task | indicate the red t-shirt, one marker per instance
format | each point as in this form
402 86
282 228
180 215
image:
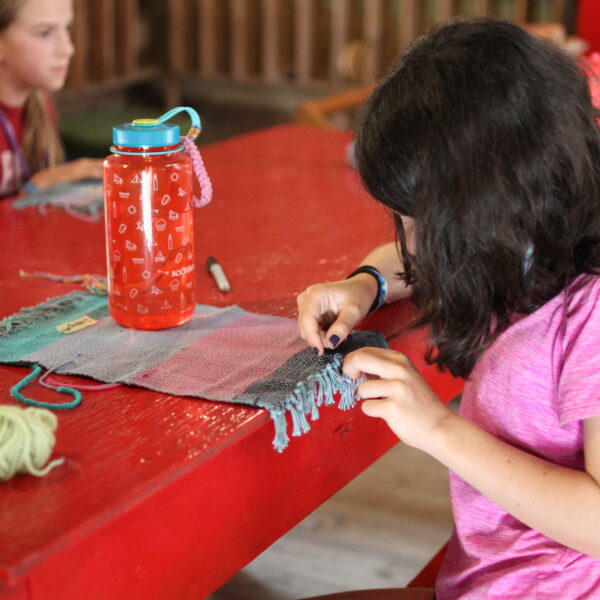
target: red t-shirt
11 171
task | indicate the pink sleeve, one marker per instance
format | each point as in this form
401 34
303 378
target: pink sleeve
578 395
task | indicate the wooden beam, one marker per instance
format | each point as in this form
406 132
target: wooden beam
127 38
207 40
480 8
444 9
558 11
79 69
270 34
340 21
103 15
239 39
303 47
176 21
407 23
372 33
520 11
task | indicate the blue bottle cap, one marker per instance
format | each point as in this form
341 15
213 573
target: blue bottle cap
146 133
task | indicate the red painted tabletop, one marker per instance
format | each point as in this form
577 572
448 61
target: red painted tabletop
167 497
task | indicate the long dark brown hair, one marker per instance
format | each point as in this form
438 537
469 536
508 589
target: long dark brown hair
41 142
489 139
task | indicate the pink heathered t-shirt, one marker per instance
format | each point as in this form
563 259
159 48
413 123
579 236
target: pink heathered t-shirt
532 388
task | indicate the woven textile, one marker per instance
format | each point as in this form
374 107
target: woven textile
82 199
224 354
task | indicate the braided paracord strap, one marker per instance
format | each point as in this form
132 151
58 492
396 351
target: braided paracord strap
199 168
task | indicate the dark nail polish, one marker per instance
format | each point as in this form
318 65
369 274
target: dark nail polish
334 340
315 351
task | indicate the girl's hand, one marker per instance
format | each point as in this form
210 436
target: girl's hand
75 170
398 393
328 312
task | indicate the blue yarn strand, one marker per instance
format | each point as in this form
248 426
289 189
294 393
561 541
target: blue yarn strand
15 392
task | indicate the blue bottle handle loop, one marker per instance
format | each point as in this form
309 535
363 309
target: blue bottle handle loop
196 126
150 131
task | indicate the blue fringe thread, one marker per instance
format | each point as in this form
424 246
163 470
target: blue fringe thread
34 314
306 398
15 392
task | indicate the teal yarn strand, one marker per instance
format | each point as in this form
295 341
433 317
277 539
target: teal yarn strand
15 392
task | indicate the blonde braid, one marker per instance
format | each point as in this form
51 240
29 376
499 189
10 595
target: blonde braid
41 142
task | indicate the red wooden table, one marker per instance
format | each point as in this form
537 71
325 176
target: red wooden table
166 497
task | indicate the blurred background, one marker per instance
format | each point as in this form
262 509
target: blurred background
246 64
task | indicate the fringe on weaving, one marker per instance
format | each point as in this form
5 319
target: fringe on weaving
33 314
306 398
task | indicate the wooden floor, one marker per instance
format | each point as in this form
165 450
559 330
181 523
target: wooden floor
376 532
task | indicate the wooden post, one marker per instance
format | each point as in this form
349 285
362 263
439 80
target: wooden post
558 11
207 40
239 39
127 25
407 23
176 18
444 9
79 69
480 8
103 57
520 11
340 19
303 48
270 40
373 29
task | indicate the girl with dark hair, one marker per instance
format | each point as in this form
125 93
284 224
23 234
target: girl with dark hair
483 142
35 50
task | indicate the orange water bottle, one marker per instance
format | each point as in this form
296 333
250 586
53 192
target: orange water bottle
149 202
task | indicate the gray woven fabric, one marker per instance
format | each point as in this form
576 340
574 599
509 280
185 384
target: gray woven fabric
224 354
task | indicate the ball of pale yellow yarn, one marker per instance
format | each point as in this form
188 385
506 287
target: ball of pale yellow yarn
26 441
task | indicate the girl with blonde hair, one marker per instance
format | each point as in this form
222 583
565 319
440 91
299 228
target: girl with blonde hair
35 50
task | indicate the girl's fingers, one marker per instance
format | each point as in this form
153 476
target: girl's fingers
311 332
380 388
375 408
378 395
343 325
385 364
327 313
309 315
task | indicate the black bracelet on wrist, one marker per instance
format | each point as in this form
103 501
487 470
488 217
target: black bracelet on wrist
381 295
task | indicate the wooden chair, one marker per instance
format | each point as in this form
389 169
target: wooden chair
322 112
418 589
319 112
